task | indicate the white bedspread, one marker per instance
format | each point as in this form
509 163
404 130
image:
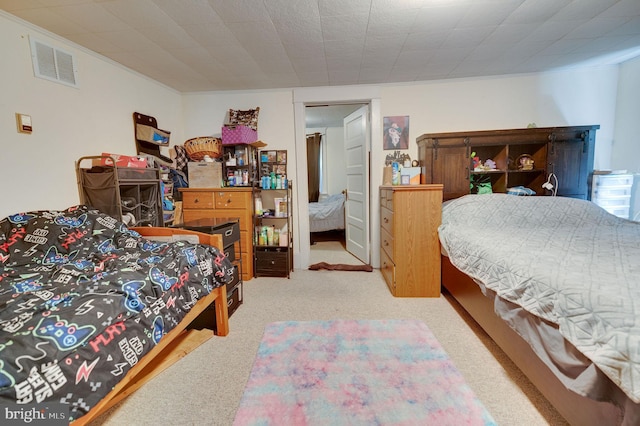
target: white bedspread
328 214
565 260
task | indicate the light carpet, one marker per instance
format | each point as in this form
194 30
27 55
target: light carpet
356 372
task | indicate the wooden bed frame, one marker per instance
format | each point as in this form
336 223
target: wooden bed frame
175 344
576 409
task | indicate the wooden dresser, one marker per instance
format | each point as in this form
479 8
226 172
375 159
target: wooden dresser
199 203
409 245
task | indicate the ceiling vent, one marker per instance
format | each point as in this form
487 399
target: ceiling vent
53 64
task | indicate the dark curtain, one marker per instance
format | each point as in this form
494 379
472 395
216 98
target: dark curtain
313 166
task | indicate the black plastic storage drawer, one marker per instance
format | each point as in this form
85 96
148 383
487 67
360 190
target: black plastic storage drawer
234 300
230 252
230 234
207 319
229 230
234 282
272 262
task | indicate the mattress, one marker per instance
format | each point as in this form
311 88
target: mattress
564 261
83 299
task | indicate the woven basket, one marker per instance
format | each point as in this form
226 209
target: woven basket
197 148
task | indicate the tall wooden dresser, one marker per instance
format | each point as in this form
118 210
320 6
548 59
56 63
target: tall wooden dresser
409 245
232 202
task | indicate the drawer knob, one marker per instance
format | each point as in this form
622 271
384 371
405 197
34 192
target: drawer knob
196 201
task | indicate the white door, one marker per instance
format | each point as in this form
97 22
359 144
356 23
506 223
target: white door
356 138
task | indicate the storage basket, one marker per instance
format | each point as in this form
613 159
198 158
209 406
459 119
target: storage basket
238 134
197 148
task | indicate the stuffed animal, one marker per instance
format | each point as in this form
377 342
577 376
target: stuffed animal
489 164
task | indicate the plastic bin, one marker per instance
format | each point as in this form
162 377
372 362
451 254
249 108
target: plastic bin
613 180
613 201
612 191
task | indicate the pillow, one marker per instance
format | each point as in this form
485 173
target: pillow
247 118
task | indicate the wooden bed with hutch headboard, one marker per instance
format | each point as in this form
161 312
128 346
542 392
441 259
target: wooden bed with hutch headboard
564 153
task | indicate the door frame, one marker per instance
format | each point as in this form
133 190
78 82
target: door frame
309 96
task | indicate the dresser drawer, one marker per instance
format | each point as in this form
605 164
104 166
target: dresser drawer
386 219
386 198
386 243
232 200
197 200
189 215
246 239
247 266
388 270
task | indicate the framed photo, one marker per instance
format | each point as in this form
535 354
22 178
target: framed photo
282 157
271 156
396 132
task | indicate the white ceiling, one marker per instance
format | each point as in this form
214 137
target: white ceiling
200 45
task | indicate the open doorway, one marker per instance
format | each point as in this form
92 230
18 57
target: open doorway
327 171
329 96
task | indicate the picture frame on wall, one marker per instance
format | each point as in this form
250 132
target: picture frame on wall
396 132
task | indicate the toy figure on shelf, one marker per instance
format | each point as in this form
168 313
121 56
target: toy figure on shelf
396 157
477 163
489 164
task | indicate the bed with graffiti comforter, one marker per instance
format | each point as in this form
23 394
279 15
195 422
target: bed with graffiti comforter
83 298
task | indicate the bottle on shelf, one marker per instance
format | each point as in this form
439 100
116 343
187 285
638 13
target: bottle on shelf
258 206
283 240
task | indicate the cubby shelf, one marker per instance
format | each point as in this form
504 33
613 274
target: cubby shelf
567 152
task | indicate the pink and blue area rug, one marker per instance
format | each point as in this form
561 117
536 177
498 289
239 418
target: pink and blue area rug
356 372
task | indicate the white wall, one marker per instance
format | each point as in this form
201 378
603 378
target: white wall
336 161
205 113
38 170
626 143
579 97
